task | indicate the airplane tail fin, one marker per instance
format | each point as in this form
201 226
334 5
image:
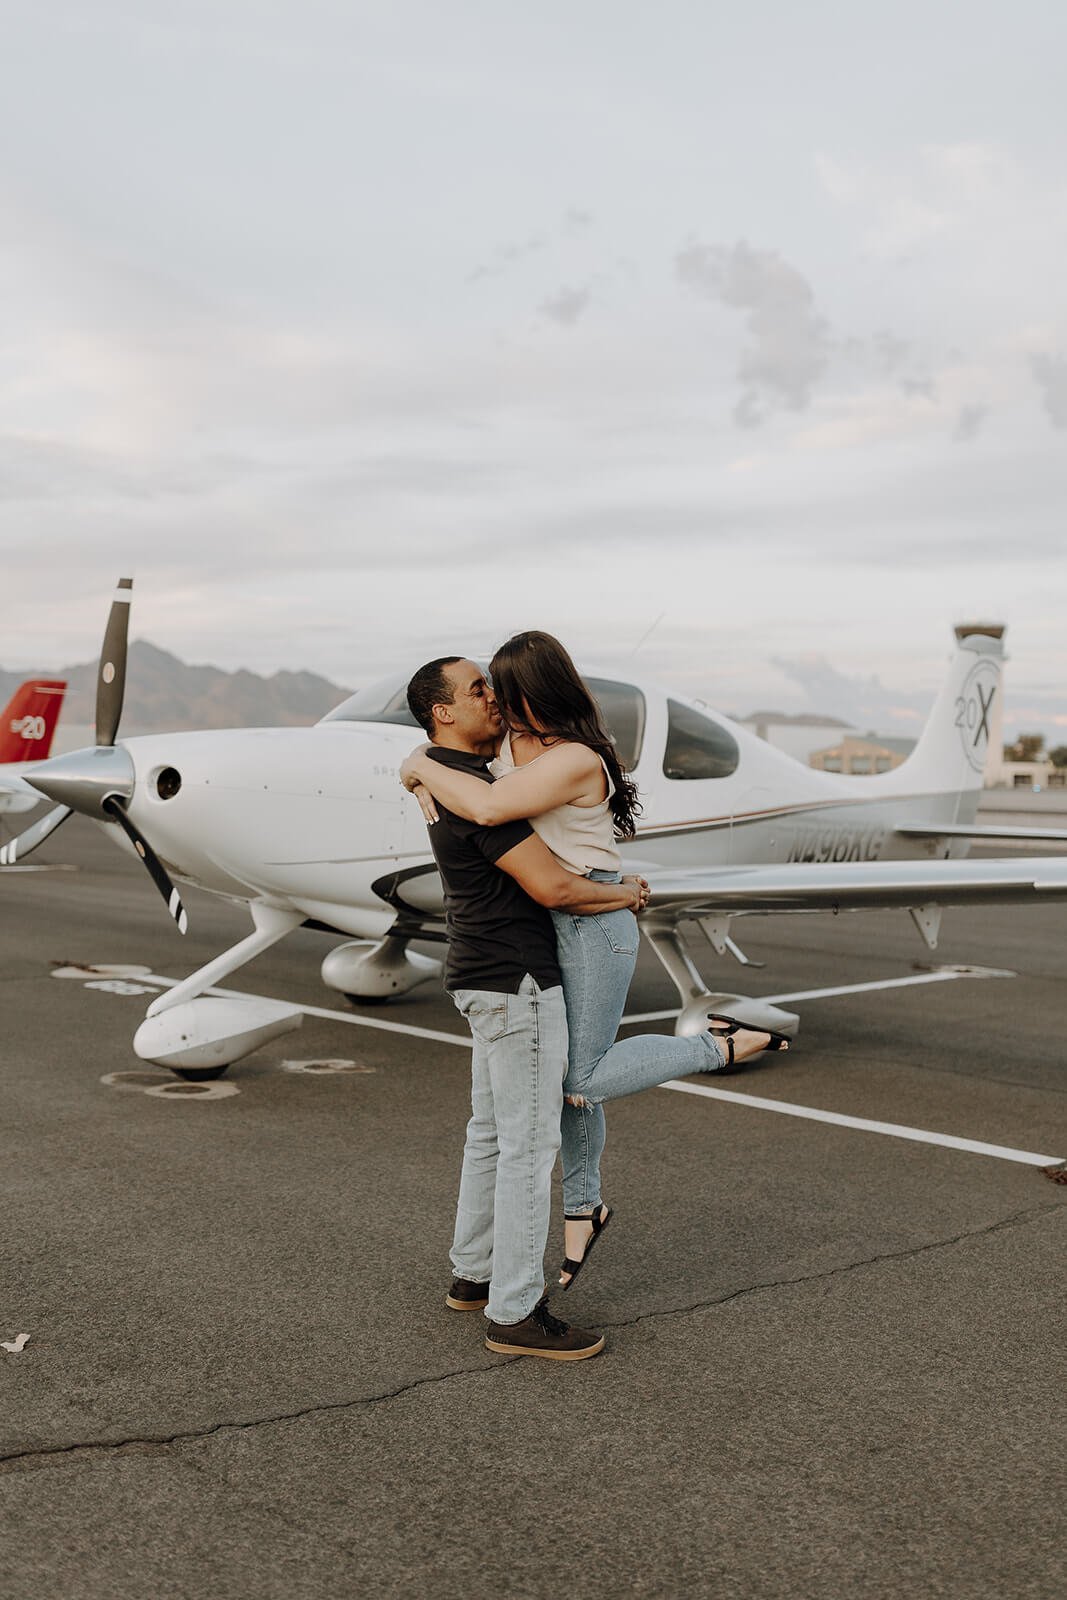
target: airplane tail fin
965 723
29 719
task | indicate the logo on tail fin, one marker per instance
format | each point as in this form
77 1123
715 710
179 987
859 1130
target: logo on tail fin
28 721
974 705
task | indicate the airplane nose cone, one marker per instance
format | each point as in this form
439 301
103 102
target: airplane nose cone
84 779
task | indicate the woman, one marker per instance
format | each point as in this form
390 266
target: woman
558 766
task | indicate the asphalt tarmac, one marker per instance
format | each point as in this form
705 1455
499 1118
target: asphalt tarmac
835 1359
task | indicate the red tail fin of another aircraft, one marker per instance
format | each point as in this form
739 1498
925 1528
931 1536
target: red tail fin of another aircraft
29 719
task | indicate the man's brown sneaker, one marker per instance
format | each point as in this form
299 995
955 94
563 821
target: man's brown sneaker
467 1296
542 1334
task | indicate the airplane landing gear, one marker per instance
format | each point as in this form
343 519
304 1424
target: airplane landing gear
368 972
696 1001
199 1035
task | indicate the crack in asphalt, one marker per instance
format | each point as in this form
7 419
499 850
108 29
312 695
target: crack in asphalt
153 1444
49 1455
1017 1219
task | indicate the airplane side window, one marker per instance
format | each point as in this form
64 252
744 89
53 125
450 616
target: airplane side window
623 709
696 746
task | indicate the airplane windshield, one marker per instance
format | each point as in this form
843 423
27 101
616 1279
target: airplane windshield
622 706
383 701
697 747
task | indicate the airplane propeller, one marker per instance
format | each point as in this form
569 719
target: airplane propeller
99 781
111 672
114 808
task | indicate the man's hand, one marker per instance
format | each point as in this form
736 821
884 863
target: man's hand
535 869
643 892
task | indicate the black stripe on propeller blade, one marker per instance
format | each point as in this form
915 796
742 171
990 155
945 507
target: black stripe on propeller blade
111 674
19 848
114 808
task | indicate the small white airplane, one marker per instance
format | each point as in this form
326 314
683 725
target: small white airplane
310 826
27 727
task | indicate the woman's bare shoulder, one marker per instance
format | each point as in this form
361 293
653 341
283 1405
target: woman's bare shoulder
572 755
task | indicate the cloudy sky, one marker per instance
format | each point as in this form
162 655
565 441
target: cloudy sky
726 341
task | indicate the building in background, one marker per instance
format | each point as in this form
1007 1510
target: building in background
1002 773
865 753
804 736
798 736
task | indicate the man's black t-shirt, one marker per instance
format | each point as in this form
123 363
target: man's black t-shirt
496 933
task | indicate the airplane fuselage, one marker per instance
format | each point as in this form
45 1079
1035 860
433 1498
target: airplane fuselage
229 812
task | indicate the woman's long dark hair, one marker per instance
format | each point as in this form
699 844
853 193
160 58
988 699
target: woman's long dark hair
533 676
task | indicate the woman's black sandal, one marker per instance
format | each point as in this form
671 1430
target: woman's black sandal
778 1041
599 1224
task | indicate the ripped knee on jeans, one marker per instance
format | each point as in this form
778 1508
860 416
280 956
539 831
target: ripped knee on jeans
580 1102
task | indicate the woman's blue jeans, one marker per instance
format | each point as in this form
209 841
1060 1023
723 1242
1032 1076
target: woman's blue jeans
597 956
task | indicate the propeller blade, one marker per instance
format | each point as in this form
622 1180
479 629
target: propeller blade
114 808
18 849
111 675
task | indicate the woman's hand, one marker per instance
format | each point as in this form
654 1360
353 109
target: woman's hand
642 892
427 803
409 769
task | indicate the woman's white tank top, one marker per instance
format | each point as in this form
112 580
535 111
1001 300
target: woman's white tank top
582 838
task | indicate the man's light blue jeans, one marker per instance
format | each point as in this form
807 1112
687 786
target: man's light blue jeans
597 956
513 1136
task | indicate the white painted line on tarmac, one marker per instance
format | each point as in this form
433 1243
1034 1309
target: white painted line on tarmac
356 1021
649 1016
120 986
943 975
864 1125
43 866
920 1135
104 969
389 1027
329 1065
337 1016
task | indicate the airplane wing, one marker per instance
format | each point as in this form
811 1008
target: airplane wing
994 834
852 886
16 794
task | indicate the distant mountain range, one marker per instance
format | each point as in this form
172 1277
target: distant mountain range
164 694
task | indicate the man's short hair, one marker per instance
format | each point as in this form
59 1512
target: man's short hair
428 688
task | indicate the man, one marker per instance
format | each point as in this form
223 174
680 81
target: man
503 976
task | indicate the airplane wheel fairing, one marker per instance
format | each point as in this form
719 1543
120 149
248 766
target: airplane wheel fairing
206 1034
754 1013
198 1074
366 972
